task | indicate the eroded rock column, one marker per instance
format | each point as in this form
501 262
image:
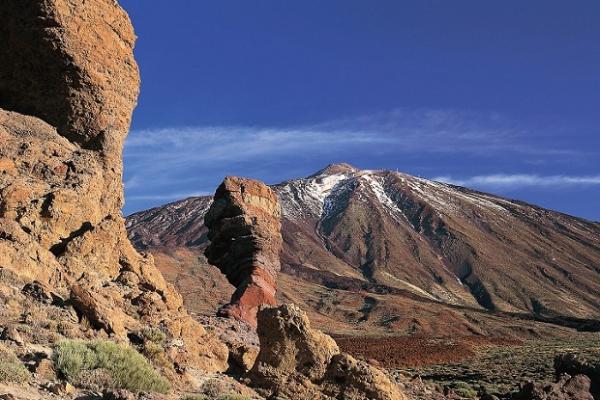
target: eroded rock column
245 232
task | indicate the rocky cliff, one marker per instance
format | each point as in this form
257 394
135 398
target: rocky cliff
68 86
245 233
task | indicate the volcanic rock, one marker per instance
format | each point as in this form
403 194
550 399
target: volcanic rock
245 232
68 86
11 334
298 362
572 365
71 64
567 388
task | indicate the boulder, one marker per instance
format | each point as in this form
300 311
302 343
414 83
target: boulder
573 365
245 232
71 64
567 388
11 334
298 362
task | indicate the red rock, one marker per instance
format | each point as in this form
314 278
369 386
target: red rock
245 232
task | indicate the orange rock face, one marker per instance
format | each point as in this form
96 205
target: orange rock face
245 232
298 362
68 86
71 64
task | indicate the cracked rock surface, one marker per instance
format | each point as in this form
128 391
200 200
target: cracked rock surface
244 223
68 86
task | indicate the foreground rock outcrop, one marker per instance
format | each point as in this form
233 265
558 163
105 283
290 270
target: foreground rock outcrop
298 362
571 364
567 388
68 86
245 232
576 379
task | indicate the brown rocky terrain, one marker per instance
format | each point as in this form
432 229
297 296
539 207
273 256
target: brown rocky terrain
245 242
68 86
380 252
83 315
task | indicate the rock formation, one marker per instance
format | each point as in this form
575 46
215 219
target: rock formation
298 362
245 232
576 379
567 388
68 85
571 364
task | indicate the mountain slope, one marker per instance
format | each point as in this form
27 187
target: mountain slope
388 243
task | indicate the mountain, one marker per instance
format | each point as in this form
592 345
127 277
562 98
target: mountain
386 252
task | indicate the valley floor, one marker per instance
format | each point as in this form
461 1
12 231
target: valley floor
472 365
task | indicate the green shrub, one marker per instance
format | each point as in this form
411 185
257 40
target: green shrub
127 368
11 368
154 335
222 397
463 389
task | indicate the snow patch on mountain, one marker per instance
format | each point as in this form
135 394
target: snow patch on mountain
443 197
376 184
306 197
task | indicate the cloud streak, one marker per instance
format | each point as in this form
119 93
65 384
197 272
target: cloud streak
521 180
168 197
398 132
174 162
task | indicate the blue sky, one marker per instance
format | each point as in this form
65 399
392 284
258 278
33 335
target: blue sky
500 96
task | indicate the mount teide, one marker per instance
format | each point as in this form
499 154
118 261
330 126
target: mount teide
385 252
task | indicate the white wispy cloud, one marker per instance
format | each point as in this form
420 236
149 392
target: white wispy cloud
167 197
174 162
521 180
401 131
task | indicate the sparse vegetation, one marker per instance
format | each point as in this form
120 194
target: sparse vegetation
463 389
222 397
500 369
154 335
127 369
11 368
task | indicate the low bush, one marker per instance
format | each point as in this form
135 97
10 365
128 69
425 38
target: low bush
463 389
154 335
11 368
127 368
222 397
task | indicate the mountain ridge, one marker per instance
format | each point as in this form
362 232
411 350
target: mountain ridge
377 231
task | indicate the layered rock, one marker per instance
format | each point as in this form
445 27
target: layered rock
245 232
68 86
298 362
